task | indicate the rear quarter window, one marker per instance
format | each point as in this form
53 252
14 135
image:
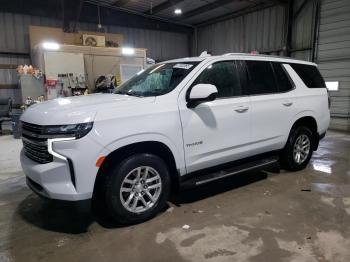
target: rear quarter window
284 83
310 75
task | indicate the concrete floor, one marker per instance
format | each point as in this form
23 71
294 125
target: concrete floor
303 216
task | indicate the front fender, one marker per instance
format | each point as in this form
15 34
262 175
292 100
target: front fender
149 137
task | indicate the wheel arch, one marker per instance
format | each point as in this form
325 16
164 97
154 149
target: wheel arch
152 147
310 122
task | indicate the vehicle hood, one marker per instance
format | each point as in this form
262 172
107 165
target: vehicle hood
78 109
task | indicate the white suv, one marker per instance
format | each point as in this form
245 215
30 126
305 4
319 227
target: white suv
181 122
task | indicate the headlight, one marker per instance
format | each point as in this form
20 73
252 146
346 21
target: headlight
76 130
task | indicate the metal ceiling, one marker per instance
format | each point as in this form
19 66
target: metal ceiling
146 14
194 12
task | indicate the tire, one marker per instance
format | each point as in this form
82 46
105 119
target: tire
297 138
130 175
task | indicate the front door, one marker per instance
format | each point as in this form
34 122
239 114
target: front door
219 131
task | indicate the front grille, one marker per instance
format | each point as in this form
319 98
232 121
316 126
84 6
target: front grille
35 143
33 128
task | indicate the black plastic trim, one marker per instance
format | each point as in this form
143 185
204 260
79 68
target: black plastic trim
71 171
322 135
36 188
318 139
206 171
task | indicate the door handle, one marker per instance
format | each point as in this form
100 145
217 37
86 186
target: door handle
288 104
241 109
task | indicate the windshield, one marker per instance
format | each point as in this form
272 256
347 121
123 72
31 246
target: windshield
157 80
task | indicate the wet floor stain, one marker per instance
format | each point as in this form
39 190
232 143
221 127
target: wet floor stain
346 202
331 189
333 245
218 253
328 200
190 241
225 243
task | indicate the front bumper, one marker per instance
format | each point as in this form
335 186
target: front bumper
52 180
72 173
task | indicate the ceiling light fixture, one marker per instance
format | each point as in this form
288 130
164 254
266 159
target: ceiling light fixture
178 11
128 51
99 25
51 45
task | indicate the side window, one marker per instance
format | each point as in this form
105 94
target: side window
224 76
261 79
283 81
310 75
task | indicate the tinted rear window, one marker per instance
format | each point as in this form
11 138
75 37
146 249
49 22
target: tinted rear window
261 78
310 75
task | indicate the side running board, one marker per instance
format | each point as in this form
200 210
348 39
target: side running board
206 178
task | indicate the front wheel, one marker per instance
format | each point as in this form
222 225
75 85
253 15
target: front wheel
138 188
298 150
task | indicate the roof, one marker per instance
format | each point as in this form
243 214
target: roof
242 56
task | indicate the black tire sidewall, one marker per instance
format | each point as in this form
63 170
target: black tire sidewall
115 179
289 161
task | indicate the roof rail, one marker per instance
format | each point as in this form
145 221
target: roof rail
263 55
246 54
204 54
228 54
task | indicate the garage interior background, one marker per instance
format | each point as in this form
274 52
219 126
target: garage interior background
311 30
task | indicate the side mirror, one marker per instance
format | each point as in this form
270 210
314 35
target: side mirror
201 93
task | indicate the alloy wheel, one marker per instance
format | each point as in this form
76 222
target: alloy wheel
301 149
140 189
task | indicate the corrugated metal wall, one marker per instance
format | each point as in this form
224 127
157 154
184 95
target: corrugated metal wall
9 76
334 57
161 45
262 30
265 31
14 37
302 30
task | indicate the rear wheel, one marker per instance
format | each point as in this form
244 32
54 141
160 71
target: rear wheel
298 150
138 188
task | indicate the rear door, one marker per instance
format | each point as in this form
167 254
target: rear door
272 104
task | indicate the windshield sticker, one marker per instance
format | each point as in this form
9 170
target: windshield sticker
183 66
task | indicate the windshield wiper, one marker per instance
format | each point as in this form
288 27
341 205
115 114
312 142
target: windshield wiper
121 92
129 93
